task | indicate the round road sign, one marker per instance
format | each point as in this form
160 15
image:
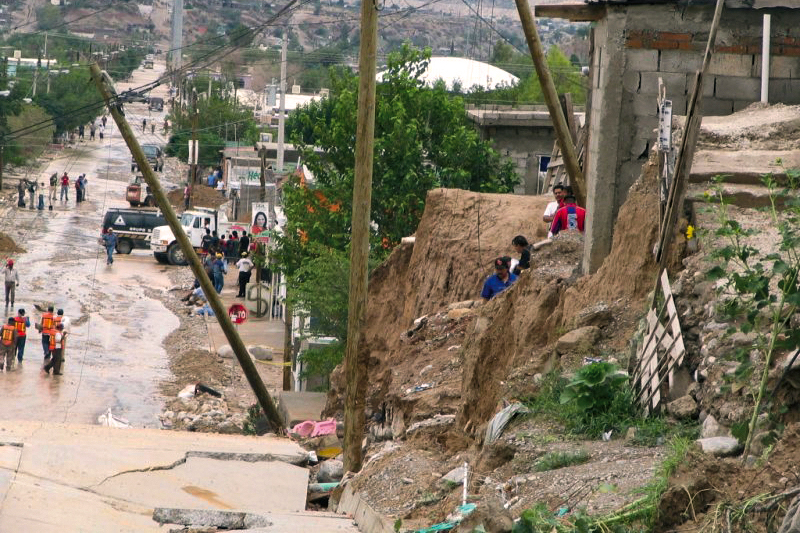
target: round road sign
237 313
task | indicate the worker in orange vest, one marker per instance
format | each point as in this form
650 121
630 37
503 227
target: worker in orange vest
46 326
22 324
58 341
8 344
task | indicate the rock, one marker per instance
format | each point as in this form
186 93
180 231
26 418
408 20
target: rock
225 351
743 339
711 428
490 516
330 471
581 340
229 427
262 353
683 407
757 446
630 435
720 446
681 380
456 476
788 361
597 315
693 389
466 304
455 314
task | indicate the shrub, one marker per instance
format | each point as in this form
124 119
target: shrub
556 460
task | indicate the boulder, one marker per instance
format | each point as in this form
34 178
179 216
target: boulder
597 315
719 446
455 314
578 340
683 407
466 304
456 475
330 471
711 428
225 351
681 382
262 353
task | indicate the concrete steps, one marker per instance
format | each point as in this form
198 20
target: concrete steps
742 166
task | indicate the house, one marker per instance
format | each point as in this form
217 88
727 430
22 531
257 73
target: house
636 42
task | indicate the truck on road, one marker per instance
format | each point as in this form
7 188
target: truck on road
132 226
194 223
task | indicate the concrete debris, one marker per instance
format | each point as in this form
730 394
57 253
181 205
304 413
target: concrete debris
711 428
597 315
225 351
109 419
456 475
330 471
202 413
262 353
203 518
437 420
720 446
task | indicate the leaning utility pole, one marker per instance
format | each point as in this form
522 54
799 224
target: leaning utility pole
355 360
282 111
194 150
563 134
214 300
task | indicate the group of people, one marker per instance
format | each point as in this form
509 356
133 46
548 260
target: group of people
53 326
229 245
563 214
94 129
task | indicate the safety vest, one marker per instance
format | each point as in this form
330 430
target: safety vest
20 323
47 323
57 320
62 344
8 335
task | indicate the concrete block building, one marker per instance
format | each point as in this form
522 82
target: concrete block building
636 42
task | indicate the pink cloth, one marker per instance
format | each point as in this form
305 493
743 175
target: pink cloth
309 428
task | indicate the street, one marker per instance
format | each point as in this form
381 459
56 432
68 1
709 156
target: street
114 357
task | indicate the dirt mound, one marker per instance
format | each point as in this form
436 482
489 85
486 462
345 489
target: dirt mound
758 126
202 196
8 246
629 270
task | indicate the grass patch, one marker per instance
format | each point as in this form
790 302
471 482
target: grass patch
556 460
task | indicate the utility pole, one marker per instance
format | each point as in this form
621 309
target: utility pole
282 111
177 35
563 134
194 150
249 368
355 359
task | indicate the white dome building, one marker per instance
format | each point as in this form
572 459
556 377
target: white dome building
466 72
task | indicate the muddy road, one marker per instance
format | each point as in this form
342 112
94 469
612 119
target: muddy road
114 356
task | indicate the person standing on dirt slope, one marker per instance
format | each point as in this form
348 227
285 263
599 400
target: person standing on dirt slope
8 344
550 211
12 282
57 345
64 187
22 324
110 242
522 247
500 280
569 217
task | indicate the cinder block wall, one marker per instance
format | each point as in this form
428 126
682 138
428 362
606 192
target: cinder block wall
637 44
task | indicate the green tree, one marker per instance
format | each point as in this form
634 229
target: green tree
422 141
72 100
48 17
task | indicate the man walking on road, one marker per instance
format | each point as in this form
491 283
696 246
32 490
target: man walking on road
57 345
8 344
65 187
22 323
46 327
110 242
12 281
53 188
245 265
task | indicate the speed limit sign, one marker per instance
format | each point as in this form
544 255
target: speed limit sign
237 313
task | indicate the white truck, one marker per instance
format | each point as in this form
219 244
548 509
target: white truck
194 222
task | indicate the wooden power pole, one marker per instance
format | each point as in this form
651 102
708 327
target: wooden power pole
214 300
355 362
563 134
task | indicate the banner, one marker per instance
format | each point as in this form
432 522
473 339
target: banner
259 215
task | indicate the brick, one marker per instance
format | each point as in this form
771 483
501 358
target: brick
737 88
791 51
670 36
634 43
731 65
734 49
642 60
675 82
660 44
690 46
679 61
716 107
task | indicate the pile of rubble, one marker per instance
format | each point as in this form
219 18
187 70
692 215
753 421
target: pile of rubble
203 413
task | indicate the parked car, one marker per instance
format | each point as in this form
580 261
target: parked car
133 227
155 104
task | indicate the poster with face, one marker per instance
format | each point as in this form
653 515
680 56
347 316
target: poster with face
259 216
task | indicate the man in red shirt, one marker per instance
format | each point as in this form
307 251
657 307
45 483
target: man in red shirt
569 217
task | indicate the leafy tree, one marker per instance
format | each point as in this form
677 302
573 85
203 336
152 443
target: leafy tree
503 52
30 144
422 141
72 100
48 17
